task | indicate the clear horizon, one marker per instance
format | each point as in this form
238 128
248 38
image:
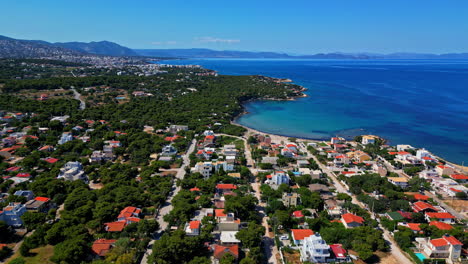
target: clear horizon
272 26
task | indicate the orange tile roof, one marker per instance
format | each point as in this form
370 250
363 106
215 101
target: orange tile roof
115 226
421 197
42 199
194 224
349 218
226 186
300 234
452 240
439 242
220 251
220 213
440 225
102 246
421 206
414 226
459 177
440 215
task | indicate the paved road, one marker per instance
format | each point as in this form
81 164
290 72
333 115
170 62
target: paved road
167 207
77 96
394 249
269 247
447 207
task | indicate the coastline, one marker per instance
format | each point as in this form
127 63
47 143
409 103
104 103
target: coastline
279 137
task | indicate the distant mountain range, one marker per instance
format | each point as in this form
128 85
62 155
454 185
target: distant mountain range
208 53
17 48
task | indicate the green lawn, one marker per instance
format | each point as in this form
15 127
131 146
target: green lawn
42 256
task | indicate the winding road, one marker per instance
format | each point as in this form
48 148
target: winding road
167 207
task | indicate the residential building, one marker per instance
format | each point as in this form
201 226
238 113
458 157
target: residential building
102 246
368 139
38 204
444 170
460 178
340 160
337 140
193 228
315 249
11 214
298 235
270 160
279 177
443 217
169 150
229 238
290 199
66 136
176 128
441 225
72 171
101 156
398 181
422 207
25 193
220 251
339 253
351 220
447 247
223 188
230 150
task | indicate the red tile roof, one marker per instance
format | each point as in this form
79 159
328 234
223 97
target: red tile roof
220 213
452 240
440 225
338 250
421 206
297 214
226 186
115 226
459 177
195 189
13 169
439 242
350 218
42 199
23 175
454 190
300 234
194 224
440 215
102 246
51 160
220 251
421 197
414 226
403 153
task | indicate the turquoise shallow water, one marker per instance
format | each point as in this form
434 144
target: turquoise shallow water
419 102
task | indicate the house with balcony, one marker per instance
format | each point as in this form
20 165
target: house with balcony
298 235
314 249
66 136
278 178
193 228
351 220
290 199
72 171
11 214
446 247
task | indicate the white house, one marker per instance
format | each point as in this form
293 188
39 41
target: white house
169 150
12 213
314 249
398 181
278 178
72 171
66 136
447 247
193 228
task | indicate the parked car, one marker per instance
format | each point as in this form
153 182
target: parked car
284 237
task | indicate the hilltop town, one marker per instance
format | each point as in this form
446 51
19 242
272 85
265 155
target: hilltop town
141 163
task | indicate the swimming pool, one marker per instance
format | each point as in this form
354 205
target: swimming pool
120 98
420 256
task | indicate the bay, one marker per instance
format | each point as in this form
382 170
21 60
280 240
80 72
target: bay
423 103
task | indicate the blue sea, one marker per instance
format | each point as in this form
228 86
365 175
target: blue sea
423 103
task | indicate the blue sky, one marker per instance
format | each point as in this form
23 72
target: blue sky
297 26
